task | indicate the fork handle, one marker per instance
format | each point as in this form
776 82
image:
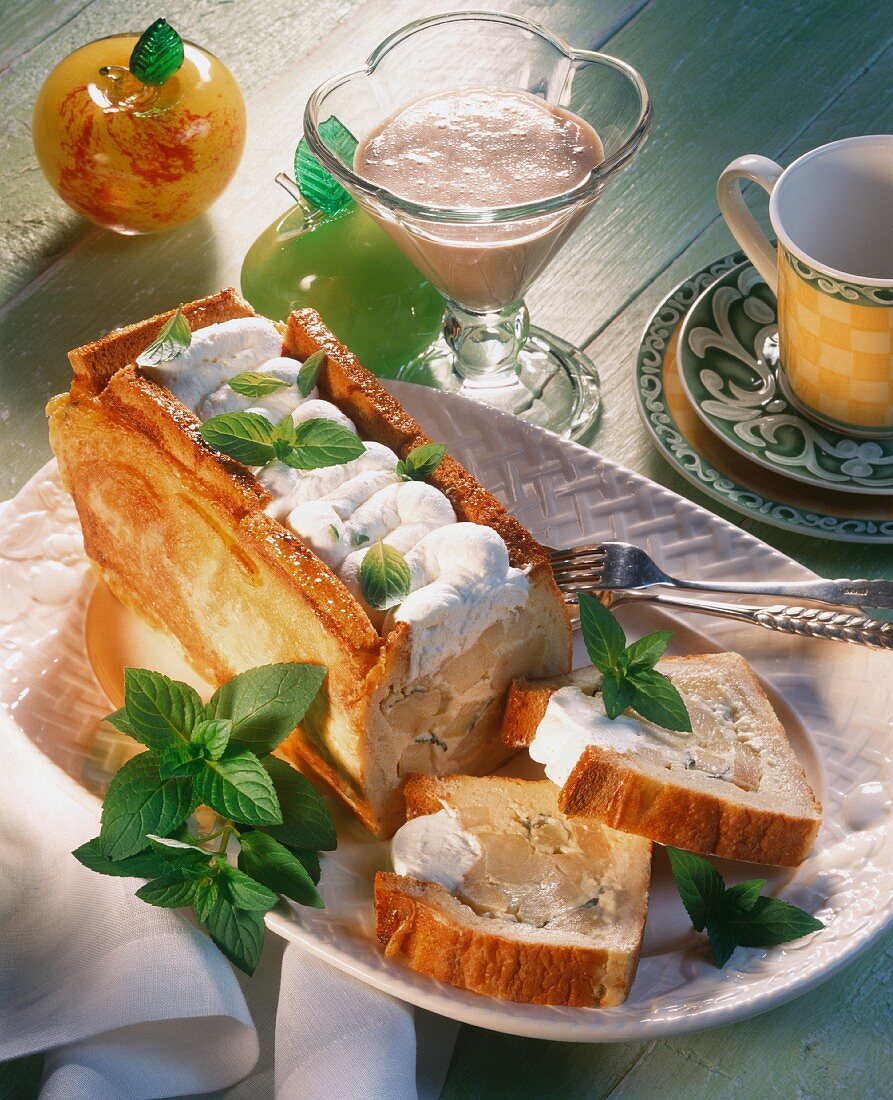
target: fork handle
810 622
841 593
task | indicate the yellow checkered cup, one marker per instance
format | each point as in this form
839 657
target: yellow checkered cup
832 212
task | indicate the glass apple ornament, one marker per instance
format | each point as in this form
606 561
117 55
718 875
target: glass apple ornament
139 133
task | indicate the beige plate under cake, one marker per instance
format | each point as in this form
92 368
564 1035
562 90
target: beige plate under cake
52 614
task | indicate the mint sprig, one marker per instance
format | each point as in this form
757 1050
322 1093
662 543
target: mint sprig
251 383
173 338
384 576
629 679
737 916
215 755
310 445
309 372
421 462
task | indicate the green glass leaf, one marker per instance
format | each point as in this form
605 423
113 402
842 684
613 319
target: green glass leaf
657 700
617 692
246 437
306 822
158 53
384 576
602 635
239 933
161 712
171 891
319 442
243 892
144 864
173 338
646 652
771 922
317 185
700 886
309 372
139 802
421 462
251 383
265 859
212 735
238 787
265 704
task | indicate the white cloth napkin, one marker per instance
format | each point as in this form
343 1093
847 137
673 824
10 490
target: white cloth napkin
132 1002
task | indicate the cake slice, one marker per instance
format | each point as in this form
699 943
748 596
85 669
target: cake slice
732 787
500 893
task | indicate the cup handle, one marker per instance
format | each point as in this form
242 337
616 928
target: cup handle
742 223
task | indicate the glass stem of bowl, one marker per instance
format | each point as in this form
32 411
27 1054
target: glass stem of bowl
486 345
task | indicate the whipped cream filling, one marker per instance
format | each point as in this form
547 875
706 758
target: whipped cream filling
461 579
435 848
722 745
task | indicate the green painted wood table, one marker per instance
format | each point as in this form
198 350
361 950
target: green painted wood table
770 76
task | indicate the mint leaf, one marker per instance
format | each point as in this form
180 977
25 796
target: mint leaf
309 859
722 940
173 338
384 576
700 886
306 822
212 735
265 704
602 635
206 894
617 692
319 442
241 890
180 854
170 891
309 371
239 933
139 802
179 763
160 712
145 864
246 437
742 897
271 863
238 787
658 701
120 721
421 462
251 383
646 652
771 922
360 540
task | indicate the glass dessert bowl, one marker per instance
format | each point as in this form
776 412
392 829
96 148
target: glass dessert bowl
515 203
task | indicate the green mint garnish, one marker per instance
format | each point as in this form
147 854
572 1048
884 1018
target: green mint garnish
333 531
384 576
309 371
251 383
738 916
317 185
158 53
360 540
629 679
252 439
421 462
216 755
173 338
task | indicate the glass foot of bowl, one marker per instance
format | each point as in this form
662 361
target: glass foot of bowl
553 384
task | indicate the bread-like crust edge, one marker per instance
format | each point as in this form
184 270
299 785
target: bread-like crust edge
412 921
605 787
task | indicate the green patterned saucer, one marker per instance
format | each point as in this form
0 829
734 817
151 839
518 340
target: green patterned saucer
725 475
728 363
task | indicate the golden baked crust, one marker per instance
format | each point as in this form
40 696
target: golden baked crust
613 788
179 533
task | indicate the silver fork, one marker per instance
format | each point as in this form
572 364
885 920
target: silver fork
622 566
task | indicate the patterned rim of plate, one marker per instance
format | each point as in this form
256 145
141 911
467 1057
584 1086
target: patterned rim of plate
736 389
717 470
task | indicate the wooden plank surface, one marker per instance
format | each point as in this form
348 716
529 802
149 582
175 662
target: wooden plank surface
770 76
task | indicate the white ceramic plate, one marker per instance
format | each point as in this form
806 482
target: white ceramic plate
836 701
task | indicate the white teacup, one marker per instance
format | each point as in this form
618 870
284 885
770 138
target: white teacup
832 212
